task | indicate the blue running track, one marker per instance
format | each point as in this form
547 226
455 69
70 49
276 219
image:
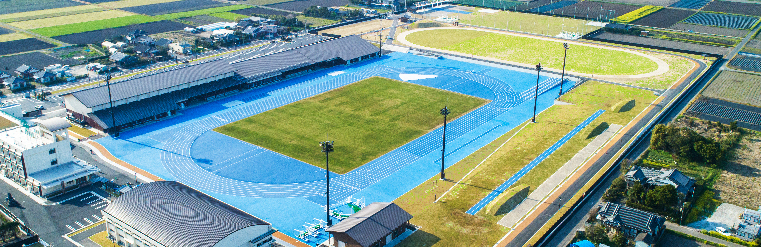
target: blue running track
491 196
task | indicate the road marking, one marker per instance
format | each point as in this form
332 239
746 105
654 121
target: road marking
91 196
80 224
96 217
100 202
90 202
102 206
72 228
88 221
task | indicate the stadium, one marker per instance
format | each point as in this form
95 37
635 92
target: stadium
194 102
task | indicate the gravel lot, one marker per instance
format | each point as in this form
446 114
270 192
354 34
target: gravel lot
711 30
302 5
99 35
664 18
726 215
23 45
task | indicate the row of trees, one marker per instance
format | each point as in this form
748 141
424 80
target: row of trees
661 199
688 144
326 13
598 233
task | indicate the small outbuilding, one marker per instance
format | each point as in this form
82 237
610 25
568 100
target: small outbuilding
375 225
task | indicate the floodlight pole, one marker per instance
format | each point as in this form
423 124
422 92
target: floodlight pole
111 106
444 111
327 147
562 76
536 90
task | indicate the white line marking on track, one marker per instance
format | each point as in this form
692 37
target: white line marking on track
72 228
80 224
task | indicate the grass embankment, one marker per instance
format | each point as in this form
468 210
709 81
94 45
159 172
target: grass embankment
47 13
101 239
446 223
5 123
82 131
525 22
365 119
526 50
126 21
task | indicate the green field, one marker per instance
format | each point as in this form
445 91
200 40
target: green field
132 3
678 67
525 22
446 222
70 19
229 16
46 13
315 22
126 21
582 59
365 119
743 88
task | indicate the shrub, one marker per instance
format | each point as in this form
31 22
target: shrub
732 239
616 190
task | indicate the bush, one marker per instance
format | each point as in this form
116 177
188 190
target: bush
732 239
597 233
662 197
616 190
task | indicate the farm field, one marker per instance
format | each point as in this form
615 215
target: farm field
262 2
101 1
664 18
99 35
690 4
174 7
5 31
637 14
711 30
582 59
201 12
22 45
201 20
739 183
722 20
45 13
736 87
228 16
260 11
13 36
315 22
734 8
358 28
645 41
34 59
493 4
132 3
550 8
594 10
446 222
70 19
300 6
16 6
753 46
645 2
5 123
529 23
367 119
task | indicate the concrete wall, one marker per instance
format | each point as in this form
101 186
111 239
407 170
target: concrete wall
39 158
126 234
242 237
73 104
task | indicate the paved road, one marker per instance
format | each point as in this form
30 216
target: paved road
696 233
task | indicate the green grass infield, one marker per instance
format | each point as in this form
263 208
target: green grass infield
366 119
581 59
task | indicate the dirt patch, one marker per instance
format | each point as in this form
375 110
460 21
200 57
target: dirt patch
358 28
740 182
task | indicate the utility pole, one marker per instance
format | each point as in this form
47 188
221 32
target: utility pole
536 90
327 148
111 107
445 112
562 76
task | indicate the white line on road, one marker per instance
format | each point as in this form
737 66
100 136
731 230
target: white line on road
72 228
80 224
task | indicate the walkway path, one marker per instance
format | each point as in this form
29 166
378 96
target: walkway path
554 182
518 175
696 233
663 67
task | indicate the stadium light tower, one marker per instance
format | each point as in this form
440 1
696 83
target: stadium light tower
562 76
444 111
327 147
536 90
111 107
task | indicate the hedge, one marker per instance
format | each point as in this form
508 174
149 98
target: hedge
732 239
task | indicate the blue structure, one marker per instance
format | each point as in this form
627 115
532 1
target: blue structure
584 243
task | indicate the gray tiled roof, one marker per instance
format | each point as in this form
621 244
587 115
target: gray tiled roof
622 216
346 48
681 182
372 223
174 214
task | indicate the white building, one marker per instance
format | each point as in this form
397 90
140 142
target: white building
181 48
39 158
171 214
217 26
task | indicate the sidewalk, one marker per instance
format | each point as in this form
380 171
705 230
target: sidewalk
554 182
103 153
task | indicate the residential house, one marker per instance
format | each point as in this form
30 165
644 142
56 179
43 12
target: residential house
14 83
43 76
60 71
163 42
4 75
121 58
183 217
181 48
143 50
650 177
376 224
217 26
26 71
132 37
145 40
632 221
39 158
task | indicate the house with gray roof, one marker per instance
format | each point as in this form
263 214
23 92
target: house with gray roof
171 214
43 76
375 225
121 58
632 222
650 177
26 71
14 83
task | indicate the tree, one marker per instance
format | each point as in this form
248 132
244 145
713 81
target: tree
710 151
9 229
597 233
620 240
616 190
636 192
733 125
662 197
658 139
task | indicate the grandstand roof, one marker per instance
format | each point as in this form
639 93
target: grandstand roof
253 64
174 214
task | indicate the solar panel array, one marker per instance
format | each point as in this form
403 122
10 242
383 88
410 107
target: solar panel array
726 112
749 63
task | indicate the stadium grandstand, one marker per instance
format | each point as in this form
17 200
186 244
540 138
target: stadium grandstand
158 95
